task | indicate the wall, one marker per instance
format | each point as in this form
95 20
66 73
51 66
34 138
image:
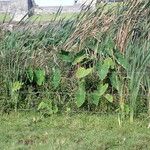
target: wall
54 9
5 6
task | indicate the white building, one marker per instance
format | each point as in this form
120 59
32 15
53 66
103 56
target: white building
86 2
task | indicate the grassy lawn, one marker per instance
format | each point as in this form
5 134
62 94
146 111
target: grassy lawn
71 132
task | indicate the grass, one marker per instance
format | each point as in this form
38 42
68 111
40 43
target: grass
4 17
41 17
50 17
70 132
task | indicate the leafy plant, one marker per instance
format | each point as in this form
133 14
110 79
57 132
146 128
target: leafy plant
56 77
30 74
39 76
121 60
14 89
79 59
82 72
46 107
80 94
109 97
98 94
36 75
104 66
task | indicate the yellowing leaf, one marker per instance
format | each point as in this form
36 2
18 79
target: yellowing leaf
79 59
82 72
16 86
109 97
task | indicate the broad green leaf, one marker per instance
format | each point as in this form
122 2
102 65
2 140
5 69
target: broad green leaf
79 59
108 46
42 105
102 89
121 60
95 98
109 97
80 95
115 82
103 73
56 77
109 62
127 109
30 74
39 76
82 72
55 109
96 95
103 68
65 56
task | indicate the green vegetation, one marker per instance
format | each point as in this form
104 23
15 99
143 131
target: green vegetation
66 132
49 17
41 18
95 61
4 17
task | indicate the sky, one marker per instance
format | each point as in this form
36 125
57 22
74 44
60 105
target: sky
54 2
